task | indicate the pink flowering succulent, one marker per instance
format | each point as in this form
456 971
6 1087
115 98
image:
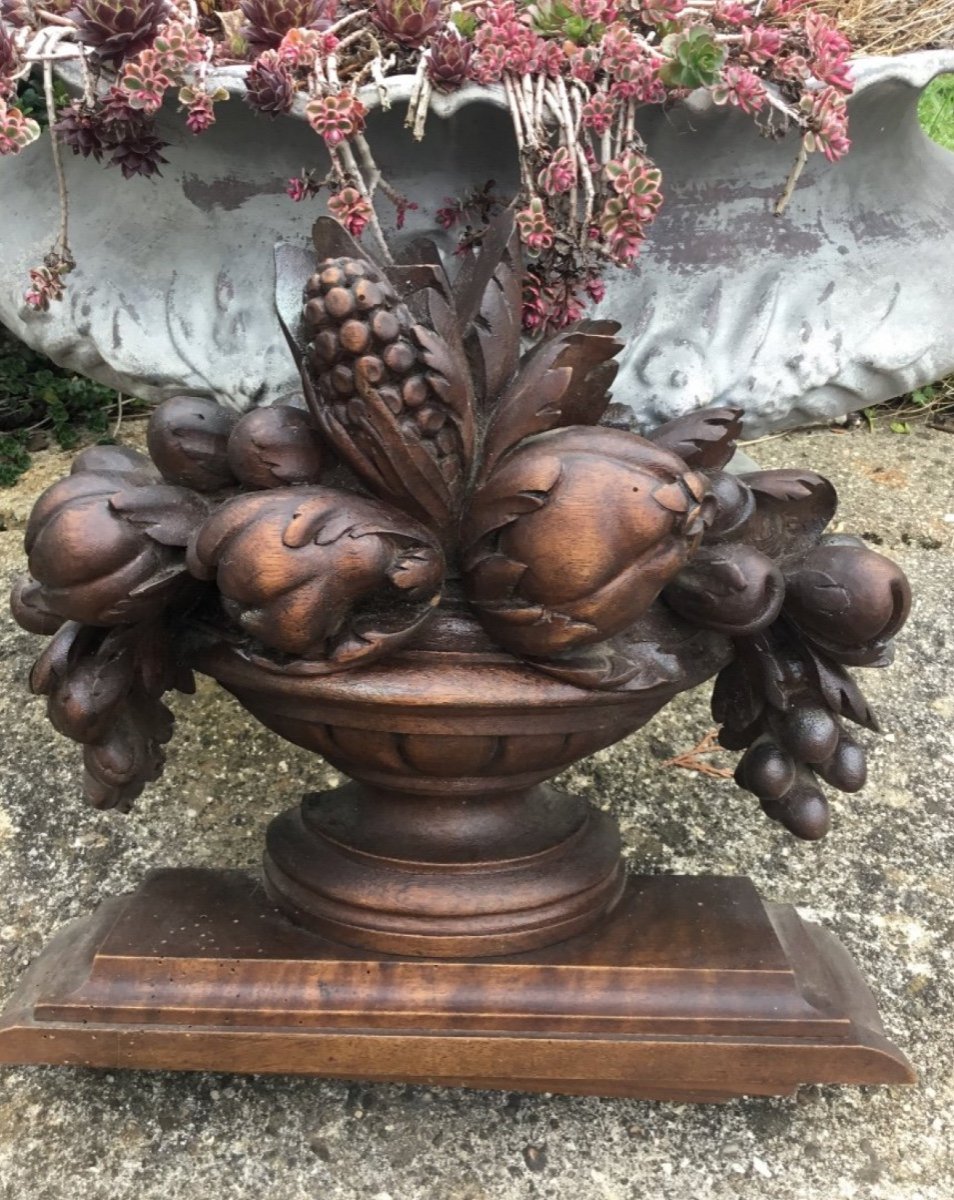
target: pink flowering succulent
830 51
827 123
352 209
559 175
145 82
336 117
740 87
46 284
575 74
536 232
16 130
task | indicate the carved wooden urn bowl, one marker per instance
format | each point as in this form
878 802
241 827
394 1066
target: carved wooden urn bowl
449 842
451 568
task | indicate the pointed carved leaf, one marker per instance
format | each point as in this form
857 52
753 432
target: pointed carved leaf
792 508
332 240
489 305
167 514
736 702
842 694
659 655
564 381
84 703
705 439
391 459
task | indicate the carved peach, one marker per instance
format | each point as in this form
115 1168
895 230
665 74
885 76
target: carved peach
575 534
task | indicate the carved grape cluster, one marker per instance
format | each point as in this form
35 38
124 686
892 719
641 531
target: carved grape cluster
316 535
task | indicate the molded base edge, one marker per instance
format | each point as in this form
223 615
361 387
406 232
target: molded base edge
692 989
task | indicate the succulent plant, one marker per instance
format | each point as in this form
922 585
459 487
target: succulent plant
117 29
448 64
407 22
9 61
139 152
82 130
270 85
269 20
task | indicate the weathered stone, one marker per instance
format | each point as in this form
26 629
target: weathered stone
837 304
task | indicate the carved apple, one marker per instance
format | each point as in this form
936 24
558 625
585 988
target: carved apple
575 534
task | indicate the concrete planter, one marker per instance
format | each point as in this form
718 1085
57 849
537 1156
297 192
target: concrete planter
841 302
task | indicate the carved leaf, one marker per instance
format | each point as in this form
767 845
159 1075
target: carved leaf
53 663
660 653
389 458
842 694
737 701
167 514
792 508
564 381
705 439
83 704
489 306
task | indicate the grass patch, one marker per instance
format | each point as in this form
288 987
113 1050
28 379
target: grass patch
40 403
937 111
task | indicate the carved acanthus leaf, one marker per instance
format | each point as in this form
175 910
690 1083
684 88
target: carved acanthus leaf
704 439
563 381
660 651
489 304
792 510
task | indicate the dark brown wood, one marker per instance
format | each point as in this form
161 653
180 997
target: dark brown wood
692 990
440 572
447 844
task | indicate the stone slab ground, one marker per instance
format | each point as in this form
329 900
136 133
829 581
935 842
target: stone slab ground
882 881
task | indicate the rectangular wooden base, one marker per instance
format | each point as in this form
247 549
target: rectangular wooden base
693 989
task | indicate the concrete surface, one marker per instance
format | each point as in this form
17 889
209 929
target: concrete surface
881 881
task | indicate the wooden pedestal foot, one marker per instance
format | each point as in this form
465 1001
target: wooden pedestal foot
691 989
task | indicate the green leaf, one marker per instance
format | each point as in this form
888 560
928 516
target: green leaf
466 24
900 427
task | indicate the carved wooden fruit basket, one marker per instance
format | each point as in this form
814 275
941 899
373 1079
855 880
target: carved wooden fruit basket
445 570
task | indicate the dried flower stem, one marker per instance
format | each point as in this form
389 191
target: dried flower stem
64 240
793 178
349 168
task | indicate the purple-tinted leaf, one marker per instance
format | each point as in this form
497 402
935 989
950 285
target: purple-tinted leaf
705 439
